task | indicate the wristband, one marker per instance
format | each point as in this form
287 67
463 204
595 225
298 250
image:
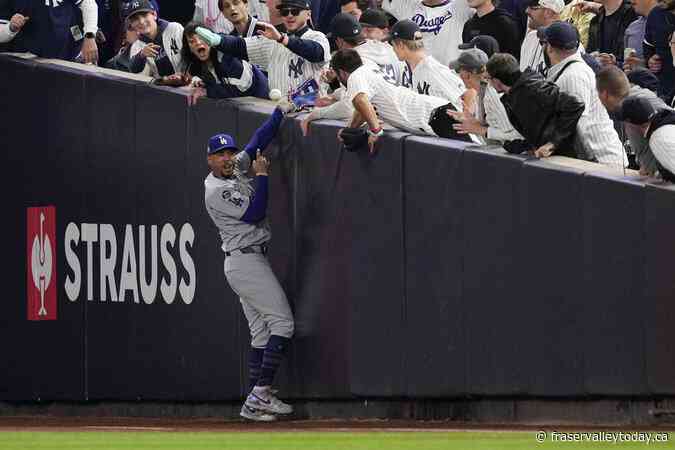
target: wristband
377 132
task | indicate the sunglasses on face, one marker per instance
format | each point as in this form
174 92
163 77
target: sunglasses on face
293 11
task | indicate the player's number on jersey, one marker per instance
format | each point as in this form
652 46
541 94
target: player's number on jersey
388 73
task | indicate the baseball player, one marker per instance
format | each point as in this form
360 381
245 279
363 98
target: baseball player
441 23
237 204
157 52
9 29
401 107
347 32
429 77
223 76
290 59
596 138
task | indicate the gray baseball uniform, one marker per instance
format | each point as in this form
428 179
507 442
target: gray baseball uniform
246 267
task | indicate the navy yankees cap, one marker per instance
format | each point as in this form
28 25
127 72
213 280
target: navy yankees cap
135 7
302 4
473 60
220 142
636 110
344 26
374 18
406 30
561 35
484 42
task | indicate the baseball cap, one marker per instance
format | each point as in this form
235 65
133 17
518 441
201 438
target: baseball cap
561 35
406 30
344 26
302 4
374 18
636 110
473 59
135 7
484 42
220 142
554 5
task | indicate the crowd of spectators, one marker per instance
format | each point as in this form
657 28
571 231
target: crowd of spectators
592 80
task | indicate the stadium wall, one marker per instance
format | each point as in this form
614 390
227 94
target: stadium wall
428 271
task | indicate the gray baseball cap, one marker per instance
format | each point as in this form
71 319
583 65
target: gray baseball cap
473 60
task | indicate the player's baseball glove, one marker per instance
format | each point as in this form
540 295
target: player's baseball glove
354 138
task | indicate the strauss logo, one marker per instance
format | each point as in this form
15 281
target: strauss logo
41 264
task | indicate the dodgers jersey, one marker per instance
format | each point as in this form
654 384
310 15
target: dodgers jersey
433 78
396 105
226 202
441 25
286 71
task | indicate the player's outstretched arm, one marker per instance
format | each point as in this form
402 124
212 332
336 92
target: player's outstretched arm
257 207
264 135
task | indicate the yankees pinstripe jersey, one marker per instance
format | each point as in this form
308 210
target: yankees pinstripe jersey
286 70
378 55
207 12
382 55
396 105
499 125
662 144
595 130
226 202
532 53
441 25
430 77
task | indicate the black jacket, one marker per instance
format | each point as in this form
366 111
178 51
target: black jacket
543 114
627 15
500 25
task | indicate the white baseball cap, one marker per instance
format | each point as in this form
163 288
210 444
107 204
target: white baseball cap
554 5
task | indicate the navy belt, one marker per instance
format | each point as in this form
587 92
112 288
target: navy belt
262 249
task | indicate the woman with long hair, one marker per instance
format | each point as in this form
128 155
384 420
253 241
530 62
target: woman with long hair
222 75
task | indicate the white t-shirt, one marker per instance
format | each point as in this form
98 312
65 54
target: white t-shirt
531 53
441 25
433 78
207 11
396 105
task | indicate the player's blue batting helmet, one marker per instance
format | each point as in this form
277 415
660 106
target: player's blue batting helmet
221 142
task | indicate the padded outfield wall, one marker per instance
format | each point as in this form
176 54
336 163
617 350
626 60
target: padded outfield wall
430 270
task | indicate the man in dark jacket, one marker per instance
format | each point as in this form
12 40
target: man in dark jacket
607 29
495 22
546 117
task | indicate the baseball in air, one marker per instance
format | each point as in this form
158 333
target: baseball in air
275 94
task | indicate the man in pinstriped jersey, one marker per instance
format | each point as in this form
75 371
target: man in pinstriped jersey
596 139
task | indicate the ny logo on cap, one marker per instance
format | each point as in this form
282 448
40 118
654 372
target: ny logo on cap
223 141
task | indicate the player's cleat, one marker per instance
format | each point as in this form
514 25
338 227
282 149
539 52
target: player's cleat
256 415
268 402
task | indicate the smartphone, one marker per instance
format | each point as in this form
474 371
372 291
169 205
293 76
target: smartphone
258 28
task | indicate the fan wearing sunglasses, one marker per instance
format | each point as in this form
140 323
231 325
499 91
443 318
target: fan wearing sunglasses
289 59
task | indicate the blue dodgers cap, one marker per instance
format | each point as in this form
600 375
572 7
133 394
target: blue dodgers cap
561 35
220 142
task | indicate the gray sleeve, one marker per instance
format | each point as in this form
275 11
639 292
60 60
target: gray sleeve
242 161
226 202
